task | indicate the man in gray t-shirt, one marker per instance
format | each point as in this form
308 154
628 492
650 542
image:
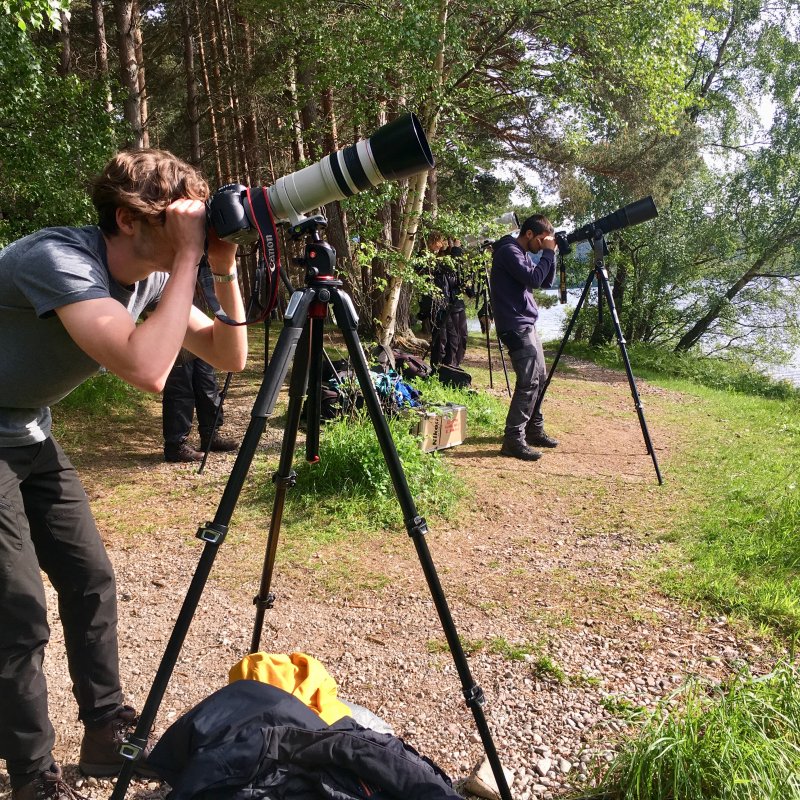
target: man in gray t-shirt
69 302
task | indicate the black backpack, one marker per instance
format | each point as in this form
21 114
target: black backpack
453 376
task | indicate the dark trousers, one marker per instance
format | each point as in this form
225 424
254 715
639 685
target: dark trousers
456 346
46 523
449 339
190 385
527 357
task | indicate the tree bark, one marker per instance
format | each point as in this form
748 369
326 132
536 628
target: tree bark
192 113
416 187
129 68
212 115
139 50
298 149
217 100
101 50
65 64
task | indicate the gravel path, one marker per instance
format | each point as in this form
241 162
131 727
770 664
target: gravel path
542 571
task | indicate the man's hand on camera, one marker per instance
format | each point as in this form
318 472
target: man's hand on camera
184 228
221 254
548 241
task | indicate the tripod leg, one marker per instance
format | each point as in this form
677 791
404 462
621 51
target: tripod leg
584 295
503 362
489 354
314 403
417 528
284 479
222 395
602 277
213 533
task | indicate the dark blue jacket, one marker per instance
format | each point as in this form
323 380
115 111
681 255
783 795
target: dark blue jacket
252 740
512 278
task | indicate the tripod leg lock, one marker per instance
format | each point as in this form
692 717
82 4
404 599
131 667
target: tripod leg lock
417 527
132 748
474 696
289 480
212 533
267 602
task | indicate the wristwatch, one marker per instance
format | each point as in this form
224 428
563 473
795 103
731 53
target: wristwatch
228 277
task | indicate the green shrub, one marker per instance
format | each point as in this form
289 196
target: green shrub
352 478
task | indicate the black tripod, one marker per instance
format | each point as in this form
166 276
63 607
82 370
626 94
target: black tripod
485 300
600 273
301 340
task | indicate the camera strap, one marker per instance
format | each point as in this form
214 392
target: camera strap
266 278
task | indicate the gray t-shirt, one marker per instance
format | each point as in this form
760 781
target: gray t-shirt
39 362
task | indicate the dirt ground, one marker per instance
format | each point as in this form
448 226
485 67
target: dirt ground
545 569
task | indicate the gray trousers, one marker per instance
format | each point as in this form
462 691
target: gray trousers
527 358
46 524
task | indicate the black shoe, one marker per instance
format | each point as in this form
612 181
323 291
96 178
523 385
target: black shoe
218 444
181 453
519 450
47 785
100 756
540 439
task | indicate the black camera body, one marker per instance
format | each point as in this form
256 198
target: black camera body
229 213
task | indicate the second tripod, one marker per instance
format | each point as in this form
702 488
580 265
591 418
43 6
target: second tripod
599 273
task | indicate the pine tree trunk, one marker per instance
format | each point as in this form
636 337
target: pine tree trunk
217 100
129 68
212 115
137 40
66 46
101 50
192 114
250 119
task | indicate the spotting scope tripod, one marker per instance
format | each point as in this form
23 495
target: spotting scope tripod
299 345
600 274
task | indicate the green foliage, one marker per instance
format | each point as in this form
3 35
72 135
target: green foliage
734 741
34 13
55 135
352 474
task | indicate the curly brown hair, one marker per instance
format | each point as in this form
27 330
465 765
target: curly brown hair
145 181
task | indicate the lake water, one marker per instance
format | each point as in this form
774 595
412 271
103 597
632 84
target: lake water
551 326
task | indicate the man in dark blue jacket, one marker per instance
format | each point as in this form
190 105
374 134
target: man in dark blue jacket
512 280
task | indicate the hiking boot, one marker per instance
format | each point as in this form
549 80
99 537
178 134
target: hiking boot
100 756
540 439
219 444
519 450
182 452
47 785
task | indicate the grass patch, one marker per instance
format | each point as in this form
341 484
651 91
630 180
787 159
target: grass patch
351 488
736 741
652 362
485 413
102 395
735 483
